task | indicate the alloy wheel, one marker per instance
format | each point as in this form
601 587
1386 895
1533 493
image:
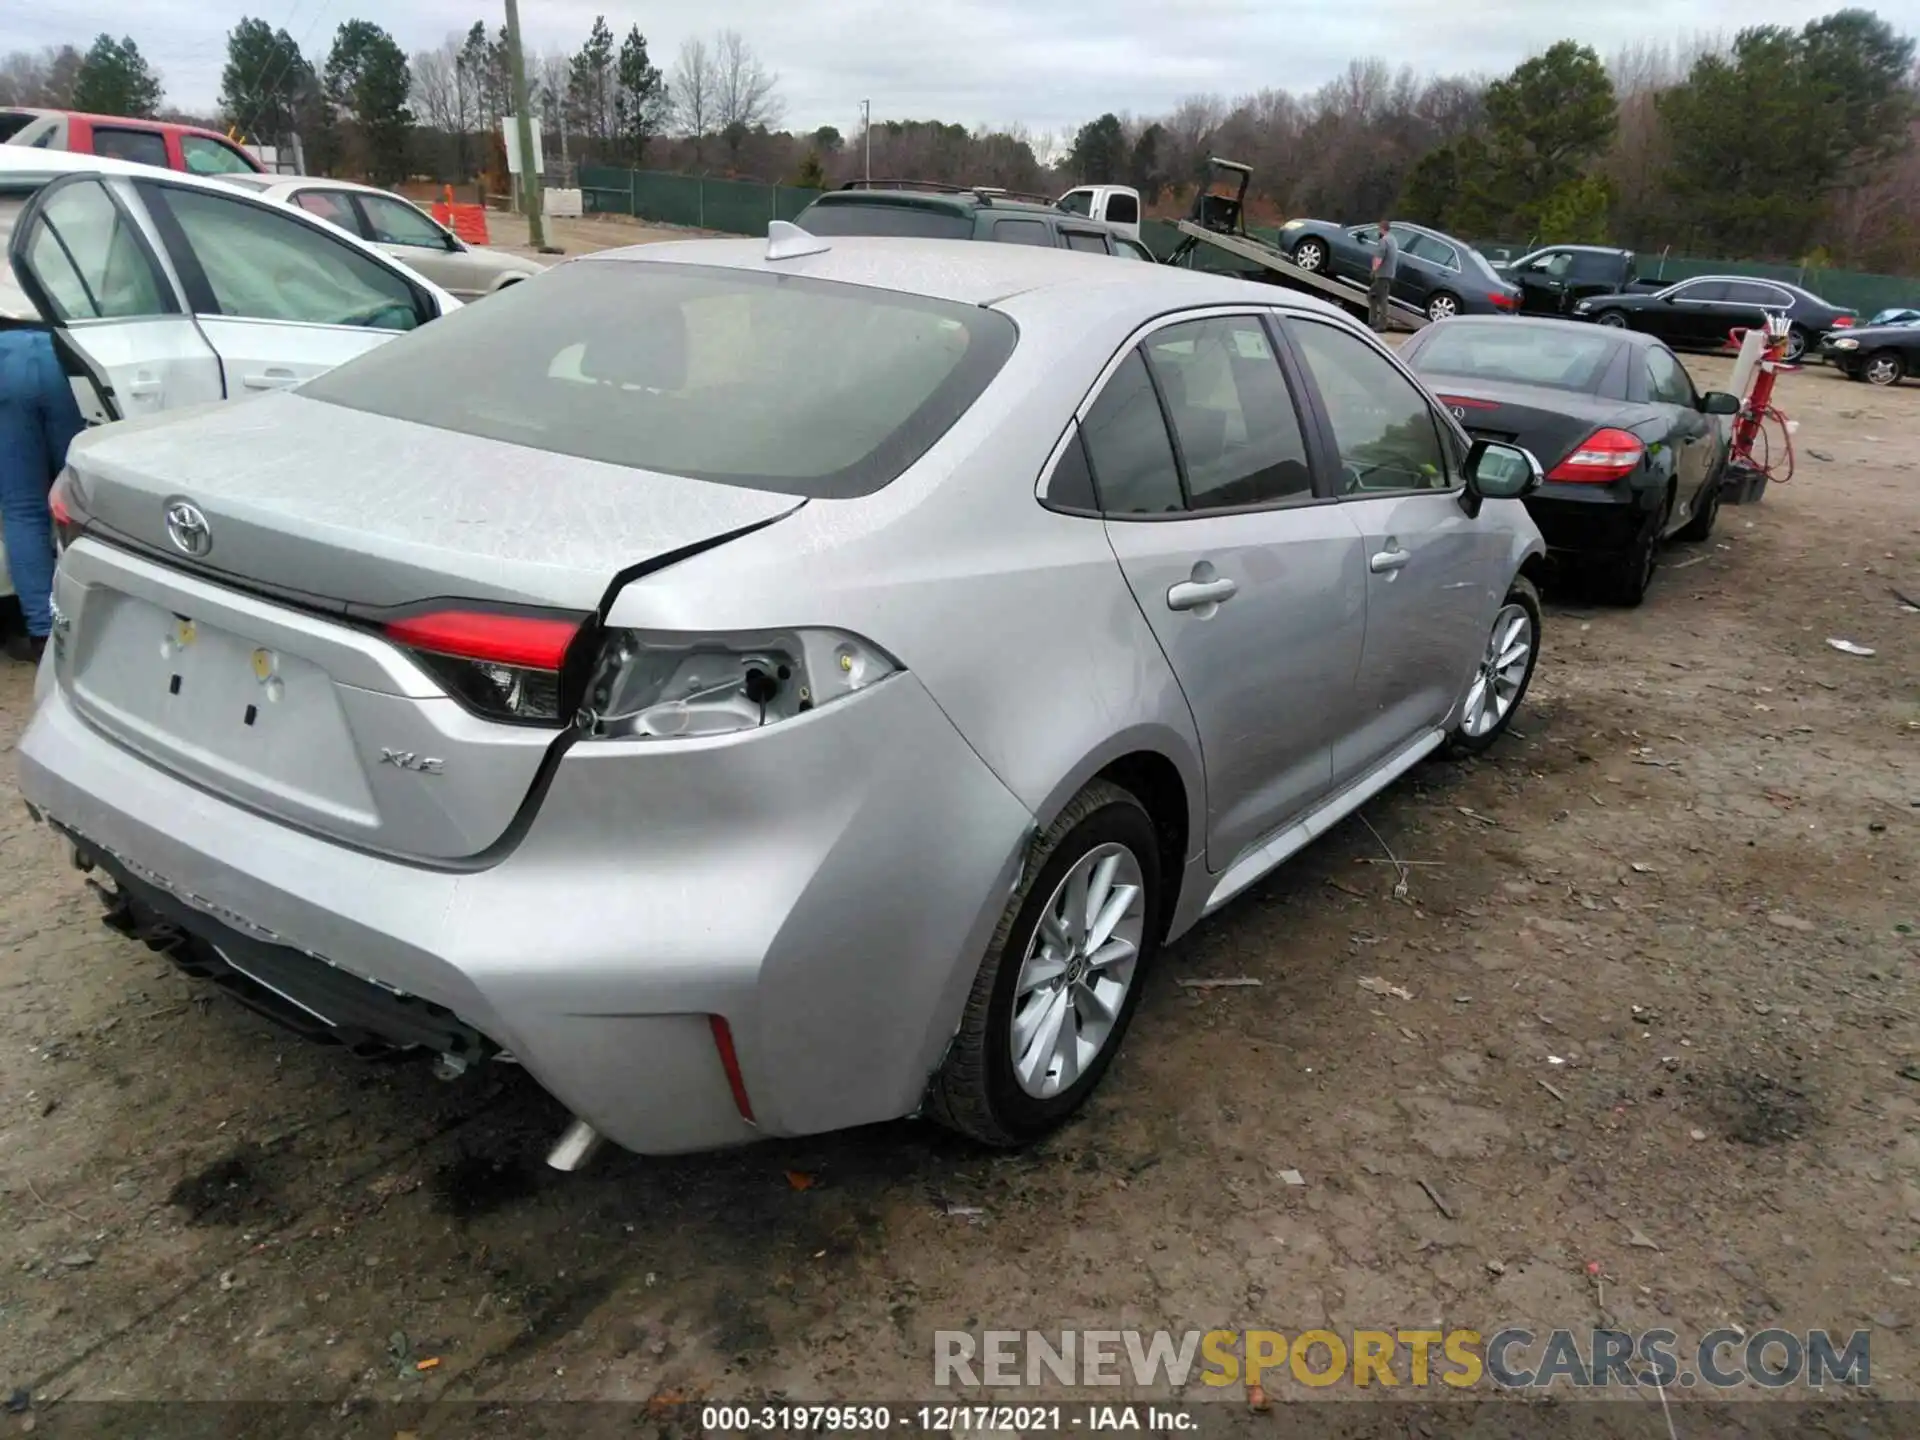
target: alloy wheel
1796 344
1503 671
1442 307
1614 320
1078 967
1309 256
1882 370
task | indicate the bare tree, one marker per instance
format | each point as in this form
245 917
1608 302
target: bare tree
695 91
45 78
744 90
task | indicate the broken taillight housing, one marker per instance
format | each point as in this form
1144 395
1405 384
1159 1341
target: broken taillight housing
500 664
66 529
654 686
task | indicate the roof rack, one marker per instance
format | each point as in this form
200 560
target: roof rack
987 193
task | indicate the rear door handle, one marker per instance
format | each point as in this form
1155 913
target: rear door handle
274 378
144 385
1192 594
1390 559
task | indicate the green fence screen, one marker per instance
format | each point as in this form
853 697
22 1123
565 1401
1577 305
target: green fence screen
743 207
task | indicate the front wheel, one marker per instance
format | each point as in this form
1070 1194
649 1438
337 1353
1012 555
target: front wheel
1442 306
1505 670
1061 976
1311 256
1612 319
1884 368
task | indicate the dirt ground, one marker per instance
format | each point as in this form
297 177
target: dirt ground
1664 1022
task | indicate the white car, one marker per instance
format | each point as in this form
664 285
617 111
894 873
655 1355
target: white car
398 227
176 290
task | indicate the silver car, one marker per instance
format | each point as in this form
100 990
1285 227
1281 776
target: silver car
769 687
399 227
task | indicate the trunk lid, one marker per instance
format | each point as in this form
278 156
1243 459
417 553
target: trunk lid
297 706
1547 421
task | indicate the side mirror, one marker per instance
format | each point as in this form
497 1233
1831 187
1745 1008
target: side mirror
1719 402
1496 471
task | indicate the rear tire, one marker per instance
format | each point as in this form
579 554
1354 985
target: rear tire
982 1089
1442 306
1796 344
1627 576
1311 255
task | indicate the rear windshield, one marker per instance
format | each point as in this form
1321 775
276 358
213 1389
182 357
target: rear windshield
1557 359
778 382
925 222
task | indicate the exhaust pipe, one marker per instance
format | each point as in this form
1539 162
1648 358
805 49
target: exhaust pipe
577 1144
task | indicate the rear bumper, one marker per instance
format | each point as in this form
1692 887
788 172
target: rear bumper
1579 520
827 885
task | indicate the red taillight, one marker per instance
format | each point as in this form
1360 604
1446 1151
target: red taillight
730 1062
1604 455
64 528
1844 322
1502 300
530 642
1468 402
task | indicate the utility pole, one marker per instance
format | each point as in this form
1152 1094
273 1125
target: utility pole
866 127
529 162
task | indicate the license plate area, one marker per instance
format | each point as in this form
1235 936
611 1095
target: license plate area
211 704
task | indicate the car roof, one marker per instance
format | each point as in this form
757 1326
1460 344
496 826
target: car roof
971 273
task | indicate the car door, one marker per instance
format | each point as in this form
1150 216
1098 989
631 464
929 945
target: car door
1748 303
418 241
1419 270
1435 574
1542 282
83 252
1693 313
279 298
1694 436
1253 584
1350 252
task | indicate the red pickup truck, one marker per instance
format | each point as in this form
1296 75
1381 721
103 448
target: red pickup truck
146 142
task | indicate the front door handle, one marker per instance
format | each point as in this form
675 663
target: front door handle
274 378
144 385
1192 594
1392 558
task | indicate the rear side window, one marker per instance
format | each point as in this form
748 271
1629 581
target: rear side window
1587 266
260 263
1082 240
1750 293
778 382
1126 437
1436 251
1239 434
923 221
1123 210
88 259
1022 232
143 147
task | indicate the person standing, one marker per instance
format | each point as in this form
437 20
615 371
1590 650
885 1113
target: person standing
38 418
1386 264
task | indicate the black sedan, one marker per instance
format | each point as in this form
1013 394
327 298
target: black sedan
1633 454
1877 354
1706 310
1435 272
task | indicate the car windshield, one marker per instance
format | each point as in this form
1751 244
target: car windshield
778 382
1518 353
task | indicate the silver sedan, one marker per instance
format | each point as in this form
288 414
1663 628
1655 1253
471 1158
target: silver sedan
770 686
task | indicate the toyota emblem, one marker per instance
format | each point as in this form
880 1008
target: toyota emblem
187 527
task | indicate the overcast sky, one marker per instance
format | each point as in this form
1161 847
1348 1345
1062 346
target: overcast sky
1049 64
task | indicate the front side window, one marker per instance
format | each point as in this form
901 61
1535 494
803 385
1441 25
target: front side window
90 261
394 222
1556 265
1132 249
1384 429
143 147
1022 232
206 156
261 263
1701 290
1240 436
1077 202
1127 446
773 381
1667 379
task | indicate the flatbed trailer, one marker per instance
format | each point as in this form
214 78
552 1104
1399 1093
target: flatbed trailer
1217 221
